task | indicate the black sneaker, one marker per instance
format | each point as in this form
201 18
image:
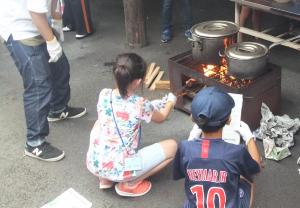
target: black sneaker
69 112
45 152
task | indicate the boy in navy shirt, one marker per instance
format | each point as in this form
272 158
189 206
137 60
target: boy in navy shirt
217 173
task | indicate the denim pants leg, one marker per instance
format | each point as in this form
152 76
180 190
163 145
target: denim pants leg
187 14
35 71
38 81
8 45
167 8
60 76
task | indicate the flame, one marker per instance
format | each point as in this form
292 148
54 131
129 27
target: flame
220 73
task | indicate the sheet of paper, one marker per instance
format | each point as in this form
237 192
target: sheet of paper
230 136
236 112
69 199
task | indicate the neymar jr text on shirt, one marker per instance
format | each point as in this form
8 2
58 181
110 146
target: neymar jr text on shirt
211 175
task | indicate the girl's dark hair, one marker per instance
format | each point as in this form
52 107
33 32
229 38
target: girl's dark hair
128 67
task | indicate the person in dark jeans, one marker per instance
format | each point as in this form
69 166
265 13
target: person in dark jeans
77 16
45 72
167 7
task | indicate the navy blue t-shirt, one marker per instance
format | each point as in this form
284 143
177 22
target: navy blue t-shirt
212 169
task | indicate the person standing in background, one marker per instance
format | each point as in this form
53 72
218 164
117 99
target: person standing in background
44 68
167 8
77 16
255 17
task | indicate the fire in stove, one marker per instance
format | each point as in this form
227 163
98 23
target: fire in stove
220 73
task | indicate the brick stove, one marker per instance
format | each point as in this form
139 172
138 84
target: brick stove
266 88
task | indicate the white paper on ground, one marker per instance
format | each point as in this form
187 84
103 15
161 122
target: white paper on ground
69 199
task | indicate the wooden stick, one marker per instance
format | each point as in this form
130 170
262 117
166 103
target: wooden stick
159 76
149 71
152 77
162 85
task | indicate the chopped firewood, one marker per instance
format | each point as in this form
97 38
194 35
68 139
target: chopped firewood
152 76
159 76
162 85
149 71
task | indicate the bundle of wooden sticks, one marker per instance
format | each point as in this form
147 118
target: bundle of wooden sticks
153 78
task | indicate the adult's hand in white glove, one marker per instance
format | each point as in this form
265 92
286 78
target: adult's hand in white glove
57 27
245 132
54 49
172 98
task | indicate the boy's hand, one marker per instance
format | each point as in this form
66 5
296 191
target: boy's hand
245 132
195 133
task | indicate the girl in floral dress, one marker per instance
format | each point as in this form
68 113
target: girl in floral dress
114 154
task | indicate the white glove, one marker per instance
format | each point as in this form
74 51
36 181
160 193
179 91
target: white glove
54 49
245 132
172 98
195 132
57 27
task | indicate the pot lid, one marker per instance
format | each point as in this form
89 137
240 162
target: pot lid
246 50
214 29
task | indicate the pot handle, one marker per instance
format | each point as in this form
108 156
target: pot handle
222 55
283 41
199 44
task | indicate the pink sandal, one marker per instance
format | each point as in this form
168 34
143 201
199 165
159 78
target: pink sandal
138 189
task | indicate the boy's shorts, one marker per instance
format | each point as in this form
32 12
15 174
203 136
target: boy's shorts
244 194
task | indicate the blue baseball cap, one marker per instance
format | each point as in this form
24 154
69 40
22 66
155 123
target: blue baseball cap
213 104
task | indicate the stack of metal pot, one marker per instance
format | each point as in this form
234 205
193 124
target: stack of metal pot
210 38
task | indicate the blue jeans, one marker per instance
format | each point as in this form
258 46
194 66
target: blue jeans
46 86
167 14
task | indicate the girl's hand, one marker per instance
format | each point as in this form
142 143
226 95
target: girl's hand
172 98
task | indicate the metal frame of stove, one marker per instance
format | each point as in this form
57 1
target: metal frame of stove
272 7
266 88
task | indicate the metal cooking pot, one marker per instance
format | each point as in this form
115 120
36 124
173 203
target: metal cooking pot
211 38
247 60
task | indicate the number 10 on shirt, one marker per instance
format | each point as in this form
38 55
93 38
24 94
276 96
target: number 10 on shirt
210 196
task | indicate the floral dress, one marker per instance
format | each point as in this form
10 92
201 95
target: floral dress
105 157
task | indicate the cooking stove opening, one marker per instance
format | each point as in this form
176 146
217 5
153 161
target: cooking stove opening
217 72
188 76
